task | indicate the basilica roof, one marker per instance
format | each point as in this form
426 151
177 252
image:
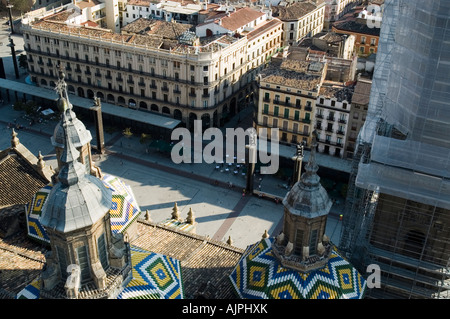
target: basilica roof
124 208
260 275
154 276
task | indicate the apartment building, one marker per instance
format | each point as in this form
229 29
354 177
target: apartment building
288 91
366 37
300 19
332 116
336 9
154 65
358 113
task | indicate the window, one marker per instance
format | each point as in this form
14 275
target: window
62 261
266 109
102 252
286 113
296 115
275 122
83 260
275 110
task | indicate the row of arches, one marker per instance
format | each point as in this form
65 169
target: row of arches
209 118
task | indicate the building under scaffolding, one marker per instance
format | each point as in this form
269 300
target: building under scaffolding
397 212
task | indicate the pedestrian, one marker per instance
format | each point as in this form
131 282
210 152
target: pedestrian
121 162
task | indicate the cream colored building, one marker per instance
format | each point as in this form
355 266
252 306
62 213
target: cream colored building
333 107
166 69
300 19
288 91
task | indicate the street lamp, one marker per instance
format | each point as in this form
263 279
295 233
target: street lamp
297 158
13 53
10 6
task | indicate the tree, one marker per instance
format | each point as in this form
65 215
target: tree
23 61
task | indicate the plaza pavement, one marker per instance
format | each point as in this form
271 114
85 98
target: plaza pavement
158 183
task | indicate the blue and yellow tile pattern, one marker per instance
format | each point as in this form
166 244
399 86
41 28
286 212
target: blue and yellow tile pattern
154 276
260 275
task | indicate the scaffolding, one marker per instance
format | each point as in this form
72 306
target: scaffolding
397 212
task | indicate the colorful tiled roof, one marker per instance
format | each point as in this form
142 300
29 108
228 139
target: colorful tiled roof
124 208
154 276
259 275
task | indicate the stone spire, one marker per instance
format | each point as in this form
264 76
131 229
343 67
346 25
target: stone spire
175 212
190 217
72 170
306 208
77 200
81 137
14 139
308 198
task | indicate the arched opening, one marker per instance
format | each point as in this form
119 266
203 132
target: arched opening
192 118
154 108
52 84
121 100
80 92
166 110
110 98
215 119
90 94
206 120
233 106
71 89
143 105
225 115
177 115
43 82
101 96
132 103
209 33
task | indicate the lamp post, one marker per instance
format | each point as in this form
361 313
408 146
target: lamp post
10 6
298 157
13 53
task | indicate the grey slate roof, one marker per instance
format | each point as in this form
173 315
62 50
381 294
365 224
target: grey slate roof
78 200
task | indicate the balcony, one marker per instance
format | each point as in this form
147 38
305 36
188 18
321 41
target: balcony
343 121
119 79
330 118
176 91
141 83
165 89
319 116
340 132
308 108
